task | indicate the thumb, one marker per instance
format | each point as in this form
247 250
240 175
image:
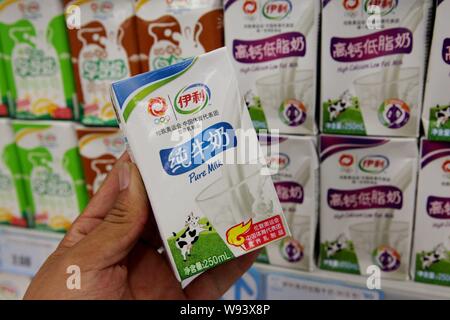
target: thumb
116 235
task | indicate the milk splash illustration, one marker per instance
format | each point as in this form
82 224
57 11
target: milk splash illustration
273 61
382 70
37 60
367 200
207 157
54 181
294 165
104 50
170 31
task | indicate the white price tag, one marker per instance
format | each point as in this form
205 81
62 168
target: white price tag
24 251
280 287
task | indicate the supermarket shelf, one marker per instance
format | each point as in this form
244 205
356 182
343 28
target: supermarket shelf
23 251
390 289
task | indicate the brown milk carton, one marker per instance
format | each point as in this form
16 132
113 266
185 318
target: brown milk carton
99 149
172 30
104 50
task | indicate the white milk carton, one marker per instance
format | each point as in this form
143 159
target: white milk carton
13 202
189 132
54 180
373 65
436 112
295 167
273 44
431 258
367 204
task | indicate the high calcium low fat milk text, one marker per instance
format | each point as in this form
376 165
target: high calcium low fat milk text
36 58
104 50
192 140
273 45
13 202
436 106
99 150
51 165
367 204
170 31
431 258
373 65
294 165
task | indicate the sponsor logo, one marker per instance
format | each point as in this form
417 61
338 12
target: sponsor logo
278 162
102 9
384 6
387 258
157 107
446 166
30 10
351 5
250 7
346 160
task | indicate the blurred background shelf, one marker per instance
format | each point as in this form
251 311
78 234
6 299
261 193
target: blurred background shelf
22 252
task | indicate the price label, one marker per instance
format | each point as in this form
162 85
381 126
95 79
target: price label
281 287
24 251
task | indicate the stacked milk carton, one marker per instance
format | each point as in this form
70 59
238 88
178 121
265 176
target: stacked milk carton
273 46
373 65
431 258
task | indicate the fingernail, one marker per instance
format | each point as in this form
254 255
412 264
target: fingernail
124 175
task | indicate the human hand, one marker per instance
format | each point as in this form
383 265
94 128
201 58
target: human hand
115 244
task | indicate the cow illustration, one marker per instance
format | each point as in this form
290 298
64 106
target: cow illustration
439 253
442 116
190 236
336 108
336 246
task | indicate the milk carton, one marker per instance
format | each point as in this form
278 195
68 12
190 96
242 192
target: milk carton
431 258
99 151
104 50
170 31
295 167
273 44
193 142
373 63
54 181
37 59
367 204
13 202
436 113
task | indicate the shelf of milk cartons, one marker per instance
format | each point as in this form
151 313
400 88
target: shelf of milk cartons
273 283
23 251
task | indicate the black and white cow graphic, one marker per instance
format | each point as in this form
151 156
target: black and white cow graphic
442 116
338 107
186 241
438 254
336 246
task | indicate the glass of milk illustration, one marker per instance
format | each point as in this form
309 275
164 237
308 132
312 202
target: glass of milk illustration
391 96
286 97
235 199
384 245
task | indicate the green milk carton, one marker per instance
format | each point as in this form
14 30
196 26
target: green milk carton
36 58
54 181
3 88
13 203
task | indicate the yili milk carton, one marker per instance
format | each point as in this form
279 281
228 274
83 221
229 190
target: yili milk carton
104 49
295 172
13 202
373 65
431 258
367 204
36 57
54 182
436 106
273 44
205 154
170 31
99 151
